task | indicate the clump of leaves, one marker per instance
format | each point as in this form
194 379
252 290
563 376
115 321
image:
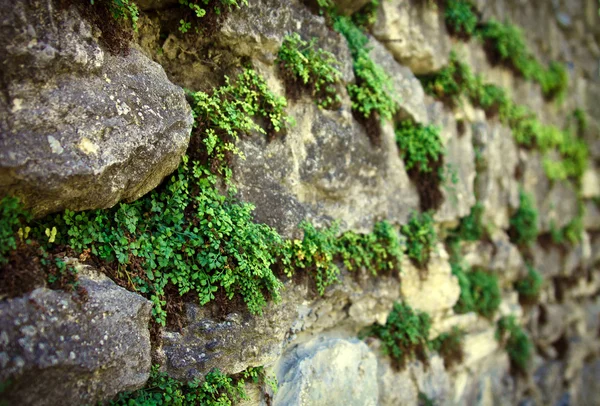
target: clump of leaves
187 235
367 15
320 250
420 146
405 335
524 228
529 287
515 340
421 238
461 19
424 400
572 232
230 111
471 227
315 68
450 347
12 216
125 10
450 82
217 389
507 43
199 9
479 291
373 94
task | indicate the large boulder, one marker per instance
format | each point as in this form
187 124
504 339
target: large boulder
81 128
56 348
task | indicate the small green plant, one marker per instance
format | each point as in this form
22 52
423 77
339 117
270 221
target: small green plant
515 340
199 9
524 228
217 389
320 250
471 227
420 146
405 335
229 112
421 238
450 347
367 15
12 216
314 67
373 94
123 10
507 43
529 287
187 235
451 82
461 19
424 400
572 232
479 291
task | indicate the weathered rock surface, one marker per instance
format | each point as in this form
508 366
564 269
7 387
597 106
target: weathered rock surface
437 280
325 168
239 340
459 164
556 201
414 33
56 350
81 128
328 371
495 186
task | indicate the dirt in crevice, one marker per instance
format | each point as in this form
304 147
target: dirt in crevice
428 186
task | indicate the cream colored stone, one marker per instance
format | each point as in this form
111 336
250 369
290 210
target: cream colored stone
437 292
479 346
590 183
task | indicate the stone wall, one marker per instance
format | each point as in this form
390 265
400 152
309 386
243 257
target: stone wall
84 127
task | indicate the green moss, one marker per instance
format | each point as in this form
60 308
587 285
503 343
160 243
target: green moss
450 347
479 291
529 287
524 229
314 67
461 19
373 94
405 335
515 340
217 389
227 113
421 238
420 146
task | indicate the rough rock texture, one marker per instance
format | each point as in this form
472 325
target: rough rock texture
75 109
56 348
238 340
437 280
81 128
416 35
325 168
309 371
497 159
